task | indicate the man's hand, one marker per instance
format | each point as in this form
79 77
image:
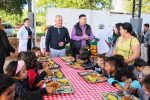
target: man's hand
86 37
29 37
61 44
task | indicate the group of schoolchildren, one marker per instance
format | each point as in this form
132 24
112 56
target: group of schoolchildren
23 81
119 74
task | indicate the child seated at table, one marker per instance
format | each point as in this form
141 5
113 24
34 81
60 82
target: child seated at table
139 65
7 87
124 79
100 66
144 92
85 57
17 70
35 79
111 67
37 51
21 55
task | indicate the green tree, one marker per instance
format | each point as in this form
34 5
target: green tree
12 6
42 6
145 6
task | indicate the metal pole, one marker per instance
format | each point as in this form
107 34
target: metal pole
139 8
29 6
34 17
133 9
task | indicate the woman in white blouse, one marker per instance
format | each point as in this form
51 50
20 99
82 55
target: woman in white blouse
25 36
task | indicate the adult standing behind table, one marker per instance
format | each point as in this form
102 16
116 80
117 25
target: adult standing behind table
127 45
143 39
81 35
56 39
147 44
5 47
102 36
25 36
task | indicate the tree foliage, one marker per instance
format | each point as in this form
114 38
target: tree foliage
145 6
80 4
12 6
42 6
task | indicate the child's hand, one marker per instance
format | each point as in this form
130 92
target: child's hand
40 83
50 89
126 87
127 84
132 91
46 69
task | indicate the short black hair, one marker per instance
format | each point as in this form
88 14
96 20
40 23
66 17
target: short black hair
35 49
6 81
82 15
26 19
11 68
101 56
21 55
85 55
127 26
30 59
113 62
116 61
118 26
120 58
124 72
146 81
139 62
146 25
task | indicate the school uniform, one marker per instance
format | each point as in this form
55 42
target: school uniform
23 87
88 65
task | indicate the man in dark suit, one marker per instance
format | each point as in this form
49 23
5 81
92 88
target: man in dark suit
5 48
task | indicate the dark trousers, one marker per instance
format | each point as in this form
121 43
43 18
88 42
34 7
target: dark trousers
2 61
148 55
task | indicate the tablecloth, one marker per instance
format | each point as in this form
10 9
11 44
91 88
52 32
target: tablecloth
82 89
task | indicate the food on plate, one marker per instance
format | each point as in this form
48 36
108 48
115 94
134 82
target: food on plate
126 98
71 58
50 74
76 65
64 82
59 74
120 93
91 79
79 61
51 62
103 78
112 97
52 84
68 58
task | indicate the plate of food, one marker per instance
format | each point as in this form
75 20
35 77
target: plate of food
63 86
109 96
68 59
120 95
50 64
55 73
77 66
92 77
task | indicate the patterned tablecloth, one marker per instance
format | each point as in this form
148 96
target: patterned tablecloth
82 90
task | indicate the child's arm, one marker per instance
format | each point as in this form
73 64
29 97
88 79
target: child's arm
118 86
113 82
40 83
